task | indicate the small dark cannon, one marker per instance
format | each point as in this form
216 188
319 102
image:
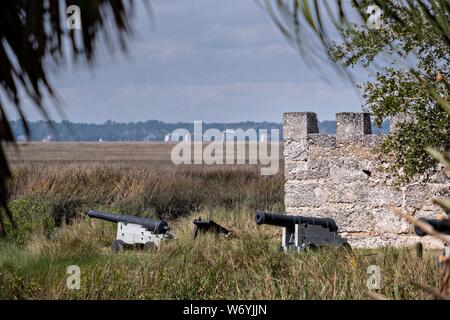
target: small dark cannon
300 233
132 230
209 225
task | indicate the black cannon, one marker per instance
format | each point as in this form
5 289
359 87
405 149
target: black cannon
300 233
440 226
155 226
287 221
133 230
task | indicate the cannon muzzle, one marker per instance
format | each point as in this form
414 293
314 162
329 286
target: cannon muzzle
287 221
156 226
440 226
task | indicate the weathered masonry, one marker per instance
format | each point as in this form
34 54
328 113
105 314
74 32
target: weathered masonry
340 176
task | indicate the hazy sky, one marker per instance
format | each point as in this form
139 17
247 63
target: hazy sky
209 60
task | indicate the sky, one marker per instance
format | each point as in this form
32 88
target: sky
209 60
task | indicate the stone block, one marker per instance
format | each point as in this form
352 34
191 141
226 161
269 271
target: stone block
416 195
381 195
354 218
310 212
302 194
388 222
341 173
312 169
345 193
296 150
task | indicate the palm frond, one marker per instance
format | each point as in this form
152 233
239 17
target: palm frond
32 34
443 203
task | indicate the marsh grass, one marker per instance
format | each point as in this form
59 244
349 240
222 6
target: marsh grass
170 191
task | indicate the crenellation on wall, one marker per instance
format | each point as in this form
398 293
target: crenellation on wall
299 194
352 124
298 125
342 176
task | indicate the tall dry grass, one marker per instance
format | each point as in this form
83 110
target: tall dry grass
46 194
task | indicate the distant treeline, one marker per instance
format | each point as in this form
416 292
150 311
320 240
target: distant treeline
152 130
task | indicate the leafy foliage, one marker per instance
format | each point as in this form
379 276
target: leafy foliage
397 93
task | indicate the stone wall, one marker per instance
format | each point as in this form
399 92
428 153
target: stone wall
342 177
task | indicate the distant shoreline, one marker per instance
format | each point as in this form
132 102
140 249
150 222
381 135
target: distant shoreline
148 131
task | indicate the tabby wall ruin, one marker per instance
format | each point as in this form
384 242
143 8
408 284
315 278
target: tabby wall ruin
342 176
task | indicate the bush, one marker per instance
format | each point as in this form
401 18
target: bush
32 217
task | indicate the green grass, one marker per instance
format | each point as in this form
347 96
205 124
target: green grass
247 266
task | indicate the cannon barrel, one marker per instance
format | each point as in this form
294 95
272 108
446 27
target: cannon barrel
156 226
440 226
288 221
